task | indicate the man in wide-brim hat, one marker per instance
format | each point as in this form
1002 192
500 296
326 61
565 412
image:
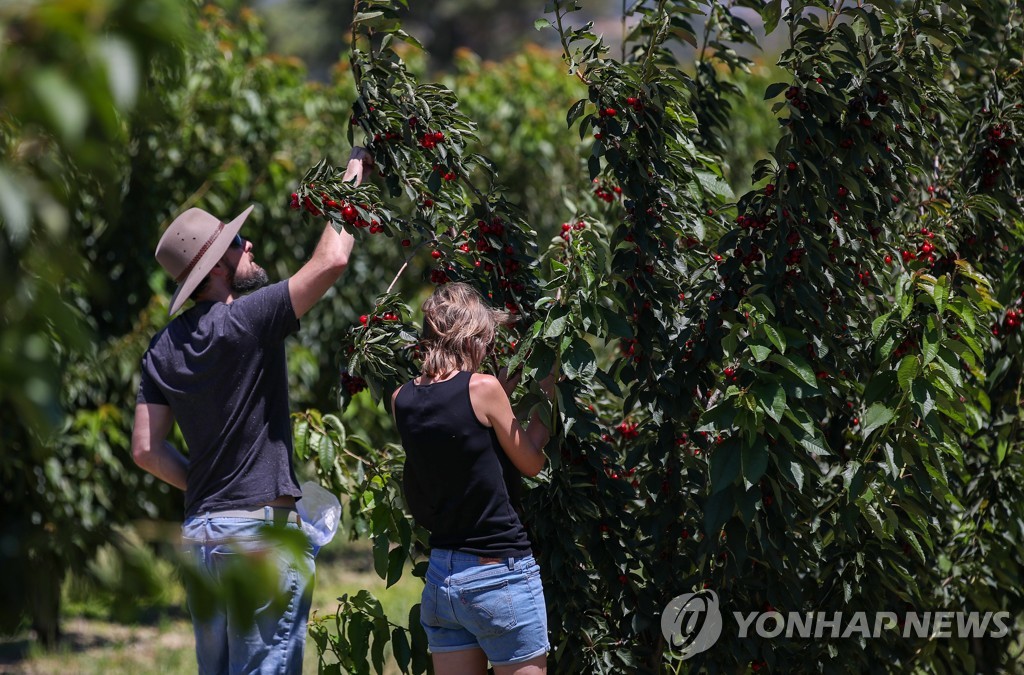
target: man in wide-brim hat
219 371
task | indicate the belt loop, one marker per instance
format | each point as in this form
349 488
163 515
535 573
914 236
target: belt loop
511 564
268 515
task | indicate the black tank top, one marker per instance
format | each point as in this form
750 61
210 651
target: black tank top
458 481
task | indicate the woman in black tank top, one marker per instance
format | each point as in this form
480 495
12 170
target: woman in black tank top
465 451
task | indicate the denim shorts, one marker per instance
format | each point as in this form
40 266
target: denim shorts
269 639
498 607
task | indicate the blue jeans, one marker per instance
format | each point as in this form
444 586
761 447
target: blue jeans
498 607
257 629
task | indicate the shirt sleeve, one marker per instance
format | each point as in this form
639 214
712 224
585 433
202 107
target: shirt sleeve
149 391
267 313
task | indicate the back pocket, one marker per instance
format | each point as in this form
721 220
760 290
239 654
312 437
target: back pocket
428 605
487 608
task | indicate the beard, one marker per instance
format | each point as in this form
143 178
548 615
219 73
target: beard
256 279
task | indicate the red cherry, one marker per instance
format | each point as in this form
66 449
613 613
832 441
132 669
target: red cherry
406 242
349 213
610 112
363 319
435 254
769 189
791 166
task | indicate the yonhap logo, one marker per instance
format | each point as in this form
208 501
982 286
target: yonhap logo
692 622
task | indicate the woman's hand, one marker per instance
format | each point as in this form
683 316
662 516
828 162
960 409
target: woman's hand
509 383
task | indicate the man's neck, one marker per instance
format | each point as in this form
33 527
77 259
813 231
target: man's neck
216 295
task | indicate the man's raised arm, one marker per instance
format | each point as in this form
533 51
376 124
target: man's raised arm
331 256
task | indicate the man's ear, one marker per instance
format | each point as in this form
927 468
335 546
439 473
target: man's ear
220 269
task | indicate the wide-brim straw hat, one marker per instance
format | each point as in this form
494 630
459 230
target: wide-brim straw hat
191 247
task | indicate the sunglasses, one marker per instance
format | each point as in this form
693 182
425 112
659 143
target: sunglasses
237 242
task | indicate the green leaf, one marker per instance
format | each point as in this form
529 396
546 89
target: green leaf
541 24
366 16
325 452
725 467
575 111
380 639
878 323
791 470
771 14
940 293
876 416
797 365
401 649
396 564
557 326
63 103
717 510
907 371
578 361
763 303
930 341
774 89
771 398
715 185
381 545
755 462
777 339
760 352
617 324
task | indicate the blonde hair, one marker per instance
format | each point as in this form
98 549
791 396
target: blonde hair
458 329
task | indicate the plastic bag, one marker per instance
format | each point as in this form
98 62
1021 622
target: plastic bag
320 511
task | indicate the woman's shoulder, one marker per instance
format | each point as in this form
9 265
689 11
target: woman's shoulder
486 390
483 382
394 394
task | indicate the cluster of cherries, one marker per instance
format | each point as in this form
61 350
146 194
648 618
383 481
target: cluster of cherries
994 156
609 112
568 228
604 113
445 174
509 266
627 429
386 316
603 192
1011 322
795 254
429 140
347 211
353 384
925 250
628 347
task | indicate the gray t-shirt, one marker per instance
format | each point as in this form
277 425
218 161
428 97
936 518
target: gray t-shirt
222 370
